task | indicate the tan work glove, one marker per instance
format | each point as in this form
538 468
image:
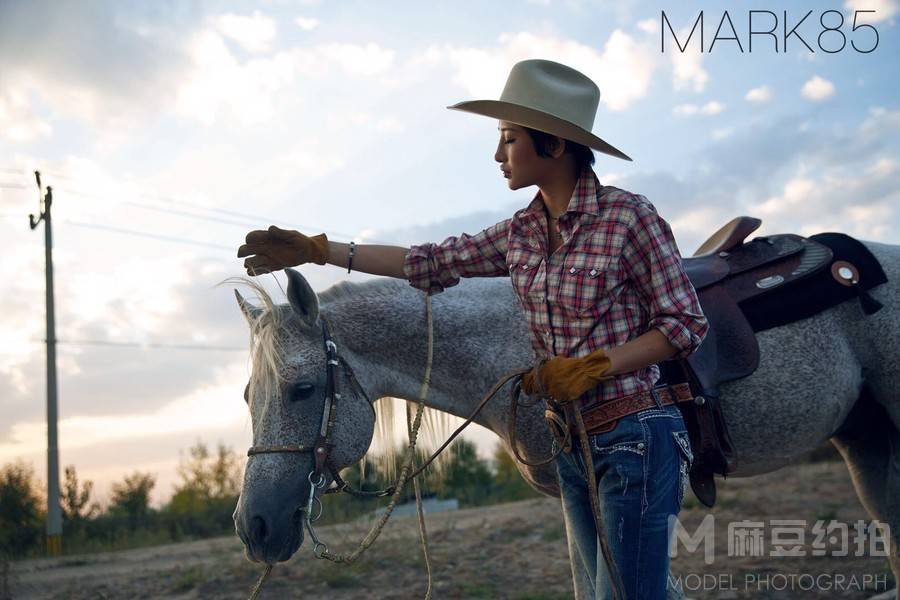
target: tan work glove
566 379
277 249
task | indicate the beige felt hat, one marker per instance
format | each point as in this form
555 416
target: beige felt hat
550 97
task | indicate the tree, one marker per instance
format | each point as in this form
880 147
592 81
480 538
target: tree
131 497
509 482
21 516
204 501
76 500
209 477
466 476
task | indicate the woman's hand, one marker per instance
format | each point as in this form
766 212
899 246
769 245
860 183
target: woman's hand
276 249
566 379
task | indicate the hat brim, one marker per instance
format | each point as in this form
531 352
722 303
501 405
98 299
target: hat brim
535 119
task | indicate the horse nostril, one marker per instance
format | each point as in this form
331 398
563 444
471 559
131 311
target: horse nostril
258 531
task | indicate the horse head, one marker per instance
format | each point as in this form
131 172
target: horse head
286 396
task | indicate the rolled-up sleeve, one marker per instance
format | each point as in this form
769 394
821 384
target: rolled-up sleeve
433 267
653 263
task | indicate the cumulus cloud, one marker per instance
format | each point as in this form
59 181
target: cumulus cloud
622 69
884 10
66 42
818 89
713 107
254 33
306 23
759 94
17 122
648 25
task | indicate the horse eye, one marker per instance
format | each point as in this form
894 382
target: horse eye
301 391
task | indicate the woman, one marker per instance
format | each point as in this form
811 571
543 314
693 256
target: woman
600 279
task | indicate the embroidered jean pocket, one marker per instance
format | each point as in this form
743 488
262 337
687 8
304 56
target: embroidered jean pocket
635 447
584 282
683 443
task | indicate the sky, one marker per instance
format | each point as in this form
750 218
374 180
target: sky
168 130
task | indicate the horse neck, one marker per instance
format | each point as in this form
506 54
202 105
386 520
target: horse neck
384 338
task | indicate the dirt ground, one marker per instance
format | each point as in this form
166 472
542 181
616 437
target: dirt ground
514 551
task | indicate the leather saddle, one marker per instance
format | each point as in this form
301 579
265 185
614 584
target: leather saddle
727 270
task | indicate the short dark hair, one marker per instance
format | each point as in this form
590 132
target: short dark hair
584 156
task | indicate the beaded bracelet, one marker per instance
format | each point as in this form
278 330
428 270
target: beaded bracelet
350 257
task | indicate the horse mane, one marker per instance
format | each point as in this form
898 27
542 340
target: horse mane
266 355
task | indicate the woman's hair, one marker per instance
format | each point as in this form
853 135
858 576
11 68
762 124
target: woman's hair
584 156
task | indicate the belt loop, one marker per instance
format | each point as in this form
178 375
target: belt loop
656 398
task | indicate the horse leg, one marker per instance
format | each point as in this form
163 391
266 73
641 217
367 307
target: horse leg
870 444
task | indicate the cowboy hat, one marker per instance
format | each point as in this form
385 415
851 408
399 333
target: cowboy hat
550 97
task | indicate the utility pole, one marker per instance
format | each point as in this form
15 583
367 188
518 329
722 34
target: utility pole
54 512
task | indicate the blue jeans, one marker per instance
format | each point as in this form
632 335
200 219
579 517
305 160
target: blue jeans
641 469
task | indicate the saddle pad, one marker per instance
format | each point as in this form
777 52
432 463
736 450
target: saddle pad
811 295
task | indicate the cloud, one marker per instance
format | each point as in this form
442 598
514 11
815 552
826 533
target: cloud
687 67
17 123
759 94
306 23
883 10
66 42
648 25
713 107
221 87
254 33
818 89
622 70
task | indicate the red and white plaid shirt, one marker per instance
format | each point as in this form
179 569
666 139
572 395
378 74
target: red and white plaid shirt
617 273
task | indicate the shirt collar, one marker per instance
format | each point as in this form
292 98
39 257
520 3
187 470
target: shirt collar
584 197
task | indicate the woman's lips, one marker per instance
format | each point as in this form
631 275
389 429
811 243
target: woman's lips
506 174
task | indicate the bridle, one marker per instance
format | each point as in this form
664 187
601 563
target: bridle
321 447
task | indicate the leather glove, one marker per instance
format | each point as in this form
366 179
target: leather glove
566 379
277 249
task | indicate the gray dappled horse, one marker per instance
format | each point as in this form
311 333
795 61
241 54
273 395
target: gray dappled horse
810 376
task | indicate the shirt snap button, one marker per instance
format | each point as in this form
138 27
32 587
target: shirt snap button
640 446
593 272
524 267
572 270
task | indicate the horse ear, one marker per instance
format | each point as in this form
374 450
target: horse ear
303 299
251 313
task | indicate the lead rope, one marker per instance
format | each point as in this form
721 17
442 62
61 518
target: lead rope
423 532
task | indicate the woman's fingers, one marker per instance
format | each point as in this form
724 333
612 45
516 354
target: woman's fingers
257 236
248 249
258 261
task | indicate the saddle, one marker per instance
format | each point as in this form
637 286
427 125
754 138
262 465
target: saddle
726 272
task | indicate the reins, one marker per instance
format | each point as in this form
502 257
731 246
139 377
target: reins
323 443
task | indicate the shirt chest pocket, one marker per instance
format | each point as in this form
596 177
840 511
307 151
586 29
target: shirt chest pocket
525 271
586 283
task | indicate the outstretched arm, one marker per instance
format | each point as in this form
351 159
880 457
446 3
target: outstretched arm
369 258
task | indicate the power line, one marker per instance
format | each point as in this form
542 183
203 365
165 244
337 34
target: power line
147 345
165 238
254 217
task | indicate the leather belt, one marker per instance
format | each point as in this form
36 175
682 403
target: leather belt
604 416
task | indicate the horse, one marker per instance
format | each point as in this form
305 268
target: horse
820 378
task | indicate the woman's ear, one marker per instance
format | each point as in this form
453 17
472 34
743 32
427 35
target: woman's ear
556 146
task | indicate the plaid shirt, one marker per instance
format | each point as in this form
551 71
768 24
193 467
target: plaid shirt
617 273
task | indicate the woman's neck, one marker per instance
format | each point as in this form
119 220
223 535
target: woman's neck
557 191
